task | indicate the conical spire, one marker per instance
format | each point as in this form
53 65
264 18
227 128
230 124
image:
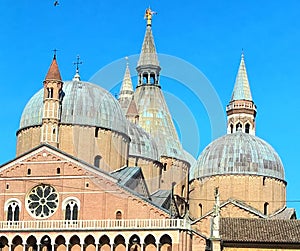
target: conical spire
241 110
126 88
126 91
241 89
148 54
132 113
53 72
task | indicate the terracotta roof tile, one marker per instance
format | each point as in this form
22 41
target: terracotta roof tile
260 230
53 72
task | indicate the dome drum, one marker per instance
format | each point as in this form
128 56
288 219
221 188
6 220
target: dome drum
91 121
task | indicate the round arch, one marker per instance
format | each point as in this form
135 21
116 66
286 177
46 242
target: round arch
17 243
75 243
89 243
104 243
150 243
119 243
165 243
60 243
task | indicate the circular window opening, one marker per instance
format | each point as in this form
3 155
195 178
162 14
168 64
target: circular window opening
42 201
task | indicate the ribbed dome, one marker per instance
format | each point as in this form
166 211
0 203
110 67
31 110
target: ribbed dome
238 153
83 103
141 144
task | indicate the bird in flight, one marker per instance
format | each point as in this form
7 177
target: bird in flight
56 3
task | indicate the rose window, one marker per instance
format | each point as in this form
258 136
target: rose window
42 201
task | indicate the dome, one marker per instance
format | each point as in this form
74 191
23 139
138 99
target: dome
83 103
141 144
238 153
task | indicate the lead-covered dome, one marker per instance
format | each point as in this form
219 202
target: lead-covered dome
83 103
141 143
238 153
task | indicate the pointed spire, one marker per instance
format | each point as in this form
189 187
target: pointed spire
148 54
132 113
241 110
126 90
241 89
53 72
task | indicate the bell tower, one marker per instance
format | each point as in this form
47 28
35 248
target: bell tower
51 104
241 110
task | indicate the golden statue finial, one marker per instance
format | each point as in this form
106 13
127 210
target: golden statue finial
148 15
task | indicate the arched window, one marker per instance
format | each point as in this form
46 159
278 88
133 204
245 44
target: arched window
183 191
97 129
145 78
118 215
152 78
71 211
12 208
50 92
264 180
266 207
71 208
97 161
200 210
247 128
238 125
231 128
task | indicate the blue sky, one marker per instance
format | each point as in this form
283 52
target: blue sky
208 35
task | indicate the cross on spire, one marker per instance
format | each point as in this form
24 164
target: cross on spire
54 56
77 63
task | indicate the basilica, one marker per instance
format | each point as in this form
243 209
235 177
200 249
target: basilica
94 172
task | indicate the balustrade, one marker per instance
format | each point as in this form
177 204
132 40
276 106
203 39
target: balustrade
56 225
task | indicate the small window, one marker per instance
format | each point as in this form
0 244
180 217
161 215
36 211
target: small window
50 92
231 128
183 191
28 171
118 215
238 127
200 210
165 166
97 161
96 132
58 170
247 128
266 207
264 181
87 184
7 186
